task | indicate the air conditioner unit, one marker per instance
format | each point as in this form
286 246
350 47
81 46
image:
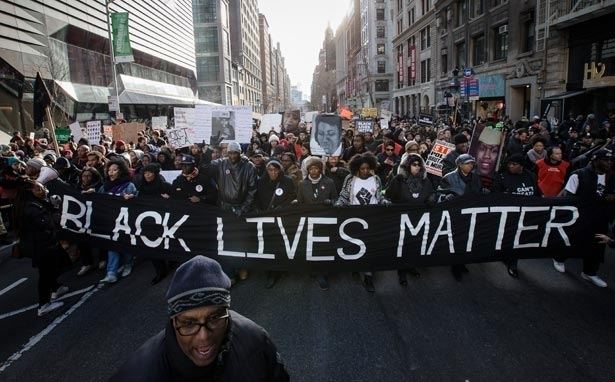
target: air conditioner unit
503 29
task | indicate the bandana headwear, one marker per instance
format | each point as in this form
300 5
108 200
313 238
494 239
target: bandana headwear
198 282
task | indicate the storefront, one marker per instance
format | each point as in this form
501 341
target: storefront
491 103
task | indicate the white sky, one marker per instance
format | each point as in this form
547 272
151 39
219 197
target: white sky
299 26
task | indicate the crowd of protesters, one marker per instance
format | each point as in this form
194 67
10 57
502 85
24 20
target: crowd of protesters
276 170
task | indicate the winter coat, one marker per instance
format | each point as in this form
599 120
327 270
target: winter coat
155 188
247 354
338 176
448 163
347 192
236 184
323 192
414 190
274 194
201 186
523 184
38 235
454 184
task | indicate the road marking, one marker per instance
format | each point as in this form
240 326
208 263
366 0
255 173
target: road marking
13 285
37 338
27 308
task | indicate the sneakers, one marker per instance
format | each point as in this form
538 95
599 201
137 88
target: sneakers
48 307
102 264
597 281
560 267
110 279
127 270
61 290
83 270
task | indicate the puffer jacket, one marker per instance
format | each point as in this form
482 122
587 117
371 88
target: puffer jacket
236 184
247 354
415 190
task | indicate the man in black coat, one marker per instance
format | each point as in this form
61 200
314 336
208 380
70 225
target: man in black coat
194 185
461 147
204 340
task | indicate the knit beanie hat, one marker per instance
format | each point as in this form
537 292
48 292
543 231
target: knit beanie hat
274 138
233 147
198 282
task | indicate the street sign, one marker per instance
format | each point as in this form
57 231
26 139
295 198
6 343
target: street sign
114 105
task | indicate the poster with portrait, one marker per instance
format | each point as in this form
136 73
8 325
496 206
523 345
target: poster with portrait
326 136
231 123
270 122
486 146
291 121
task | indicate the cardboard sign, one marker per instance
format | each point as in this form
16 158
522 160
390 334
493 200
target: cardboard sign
363 126
93 131
127 132
270 122
369 112
108 131
76 131
440 150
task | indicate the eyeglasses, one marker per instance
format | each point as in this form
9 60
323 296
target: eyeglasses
191 328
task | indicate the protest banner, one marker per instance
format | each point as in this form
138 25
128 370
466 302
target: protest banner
127 132
270 122
121 37
76 131
201 132
494 227
93 131
326 137
440 150
159 123
170 175
364 126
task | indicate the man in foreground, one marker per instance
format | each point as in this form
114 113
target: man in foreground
204 340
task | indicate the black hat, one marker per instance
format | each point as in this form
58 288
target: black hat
517 158
258 153
187 159
602 154
61 164
198 282
460 138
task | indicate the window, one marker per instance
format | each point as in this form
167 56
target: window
425 6
461 13
500 48
477 8
382 85
380 14
380 32
444 62
207 69
495 3
411 16
478 50
426 70
411 43
460 55
527 31
206 40
204 11
411 81
382 67
426 38
380 49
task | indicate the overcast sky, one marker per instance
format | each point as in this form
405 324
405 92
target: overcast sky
299 26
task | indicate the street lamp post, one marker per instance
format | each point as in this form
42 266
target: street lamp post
116 85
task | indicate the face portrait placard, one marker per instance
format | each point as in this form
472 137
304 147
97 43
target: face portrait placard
326 136
291 121
223 125
486 148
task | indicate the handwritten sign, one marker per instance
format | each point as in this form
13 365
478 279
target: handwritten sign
440 150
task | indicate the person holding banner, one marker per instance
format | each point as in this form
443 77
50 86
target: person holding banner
192 184
118 183
412 187
363 187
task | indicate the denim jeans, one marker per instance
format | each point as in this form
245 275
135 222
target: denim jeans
114 259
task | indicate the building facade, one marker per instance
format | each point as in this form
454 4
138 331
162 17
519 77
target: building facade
415 50
245 47
268 93
67 42
213 50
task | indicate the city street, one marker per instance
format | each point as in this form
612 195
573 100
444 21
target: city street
489 327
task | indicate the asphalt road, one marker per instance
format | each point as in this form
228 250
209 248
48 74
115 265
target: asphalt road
489 327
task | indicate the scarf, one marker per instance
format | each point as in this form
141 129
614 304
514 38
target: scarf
192 175
315 181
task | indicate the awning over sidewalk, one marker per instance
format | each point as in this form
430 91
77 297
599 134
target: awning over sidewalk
85 93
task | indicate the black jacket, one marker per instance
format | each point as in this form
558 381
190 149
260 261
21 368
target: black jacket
247 355
272 195
202 186
414 190
155 188
523 184
39 232
323 192
237 183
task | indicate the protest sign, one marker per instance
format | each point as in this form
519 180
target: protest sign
108 131
369 112
170 175
326 137
270 122
385 118
127 132
93 131
440 150
364 126
486 146
494 227
76 131
159 123
425 120
184 119
178 138
63 134
291 121
201 133
231 123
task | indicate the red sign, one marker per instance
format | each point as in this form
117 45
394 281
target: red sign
413 62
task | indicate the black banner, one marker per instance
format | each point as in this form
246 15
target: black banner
494 227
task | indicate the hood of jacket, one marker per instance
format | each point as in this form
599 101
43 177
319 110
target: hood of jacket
407 158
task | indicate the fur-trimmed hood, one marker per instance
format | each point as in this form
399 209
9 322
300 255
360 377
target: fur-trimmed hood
407 158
